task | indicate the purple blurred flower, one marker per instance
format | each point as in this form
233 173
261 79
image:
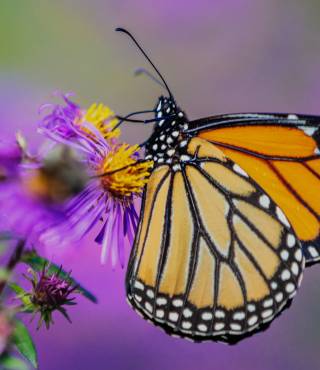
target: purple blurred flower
117 178
11 154
6 329
33 193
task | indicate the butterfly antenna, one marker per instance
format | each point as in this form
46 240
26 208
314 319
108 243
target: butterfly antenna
119 29
143 71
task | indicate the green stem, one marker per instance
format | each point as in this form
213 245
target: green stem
14 259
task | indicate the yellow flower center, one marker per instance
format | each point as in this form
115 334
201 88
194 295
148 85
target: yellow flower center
103 119
121 174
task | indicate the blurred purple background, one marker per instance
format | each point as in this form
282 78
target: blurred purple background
218 56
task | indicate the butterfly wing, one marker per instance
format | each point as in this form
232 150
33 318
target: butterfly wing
214 257
281 153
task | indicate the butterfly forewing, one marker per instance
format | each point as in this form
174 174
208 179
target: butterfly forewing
281 153
214 256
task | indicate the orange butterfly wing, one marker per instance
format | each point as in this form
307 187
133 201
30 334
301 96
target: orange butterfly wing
204 264
283 159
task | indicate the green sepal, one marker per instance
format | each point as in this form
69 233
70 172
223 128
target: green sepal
23 296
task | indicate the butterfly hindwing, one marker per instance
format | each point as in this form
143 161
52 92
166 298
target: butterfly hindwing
281 153
214 256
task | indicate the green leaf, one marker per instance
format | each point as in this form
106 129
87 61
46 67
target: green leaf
17 289
36 262
12 363
21 294
24 343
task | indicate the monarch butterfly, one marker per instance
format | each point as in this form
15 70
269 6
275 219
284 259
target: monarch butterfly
229 217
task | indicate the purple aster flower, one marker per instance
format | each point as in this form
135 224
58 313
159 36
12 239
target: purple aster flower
117 178
62 118
50 292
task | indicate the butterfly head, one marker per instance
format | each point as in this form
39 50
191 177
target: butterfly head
170 123
168 132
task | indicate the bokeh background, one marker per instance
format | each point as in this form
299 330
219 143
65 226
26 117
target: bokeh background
218 56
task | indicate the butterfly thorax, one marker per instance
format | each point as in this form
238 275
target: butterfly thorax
168 137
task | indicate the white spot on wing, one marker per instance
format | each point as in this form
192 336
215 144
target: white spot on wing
185 158
150 293
268 303
173 316
219 326
236 327
186 324
284 255
309 130
177 302
206 316
160 313
239 315
202 327
274 285
313 252
285 275
219 314
161 301
291 240
239 170
138 285
282 217
264 201
298 255
290 288
187 313
148 306
252 320
267 313
295 268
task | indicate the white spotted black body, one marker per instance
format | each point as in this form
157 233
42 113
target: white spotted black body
169 138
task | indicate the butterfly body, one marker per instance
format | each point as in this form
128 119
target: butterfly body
169 135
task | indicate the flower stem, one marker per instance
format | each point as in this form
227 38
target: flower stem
14 259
